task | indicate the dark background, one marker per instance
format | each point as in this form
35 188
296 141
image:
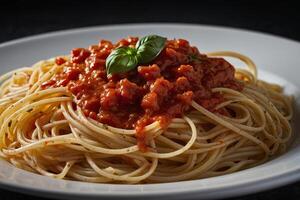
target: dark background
24 18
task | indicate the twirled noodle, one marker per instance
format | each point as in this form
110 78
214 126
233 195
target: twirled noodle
41 131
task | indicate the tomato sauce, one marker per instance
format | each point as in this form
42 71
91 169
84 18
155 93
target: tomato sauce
158 91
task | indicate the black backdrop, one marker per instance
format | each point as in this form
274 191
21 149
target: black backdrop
24 18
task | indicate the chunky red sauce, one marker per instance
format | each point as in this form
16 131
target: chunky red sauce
161 90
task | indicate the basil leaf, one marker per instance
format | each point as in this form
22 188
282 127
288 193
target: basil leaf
149 47
124 59
121 60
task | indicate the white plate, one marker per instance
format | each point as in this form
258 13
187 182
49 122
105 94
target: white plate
278 56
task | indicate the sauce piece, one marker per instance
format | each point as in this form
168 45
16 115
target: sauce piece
159 91
60 60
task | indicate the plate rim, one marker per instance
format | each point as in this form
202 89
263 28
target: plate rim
136 25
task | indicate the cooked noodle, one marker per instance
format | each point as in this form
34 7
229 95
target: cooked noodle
41 131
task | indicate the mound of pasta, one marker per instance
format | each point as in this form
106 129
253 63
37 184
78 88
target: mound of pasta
146 110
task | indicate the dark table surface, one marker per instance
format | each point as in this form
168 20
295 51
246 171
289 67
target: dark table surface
24 18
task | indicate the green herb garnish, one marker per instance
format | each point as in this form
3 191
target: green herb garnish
121 60
124 59
194 58
149 47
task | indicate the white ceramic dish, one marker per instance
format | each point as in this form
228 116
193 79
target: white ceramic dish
277 59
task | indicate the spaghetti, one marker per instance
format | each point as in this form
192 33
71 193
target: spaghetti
49 129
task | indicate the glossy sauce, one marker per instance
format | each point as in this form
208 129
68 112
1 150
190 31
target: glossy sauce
159 91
